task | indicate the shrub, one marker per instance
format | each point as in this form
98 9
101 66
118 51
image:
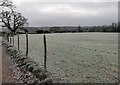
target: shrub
39 31
48 81
41 76
37 70
30 68
25 63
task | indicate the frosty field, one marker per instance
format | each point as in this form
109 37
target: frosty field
77 57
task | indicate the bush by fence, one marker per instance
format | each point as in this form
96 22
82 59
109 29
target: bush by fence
27 64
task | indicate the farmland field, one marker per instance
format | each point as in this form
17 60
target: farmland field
0 60
77 57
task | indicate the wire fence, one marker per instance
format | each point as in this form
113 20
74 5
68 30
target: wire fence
73 57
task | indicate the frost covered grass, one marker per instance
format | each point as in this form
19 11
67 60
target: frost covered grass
77 57
1 59
29 67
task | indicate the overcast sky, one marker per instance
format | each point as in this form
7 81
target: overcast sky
68 12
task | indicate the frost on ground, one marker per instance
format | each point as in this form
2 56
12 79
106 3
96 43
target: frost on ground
11 73
0 60
77 57
18 68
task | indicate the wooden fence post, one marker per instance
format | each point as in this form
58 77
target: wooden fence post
18 41
45 51
10 38
26 43
13 39
7 37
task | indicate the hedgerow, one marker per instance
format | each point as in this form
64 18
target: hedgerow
27 64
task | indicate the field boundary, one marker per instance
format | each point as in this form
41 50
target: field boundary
27 65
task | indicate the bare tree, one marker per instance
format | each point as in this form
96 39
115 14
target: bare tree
11 19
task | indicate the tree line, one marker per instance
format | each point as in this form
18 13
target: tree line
105 28
14 20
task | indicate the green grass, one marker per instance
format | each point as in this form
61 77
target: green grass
77 57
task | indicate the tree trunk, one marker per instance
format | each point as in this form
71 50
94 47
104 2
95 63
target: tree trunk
7 37
13 40
14 32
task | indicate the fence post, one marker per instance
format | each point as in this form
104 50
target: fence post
26 43
18 40
45 51
7 37
10 38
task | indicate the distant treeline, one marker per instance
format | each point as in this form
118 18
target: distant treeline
114 27
105 28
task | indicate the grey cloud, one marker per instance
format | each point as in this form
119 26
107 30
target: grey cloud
68 13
